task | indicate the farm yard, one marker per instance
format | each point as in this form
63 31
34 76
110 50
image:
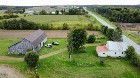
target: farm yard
9 37
83 65
55 62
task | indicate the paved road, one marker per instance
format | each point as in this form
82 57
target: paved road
125 39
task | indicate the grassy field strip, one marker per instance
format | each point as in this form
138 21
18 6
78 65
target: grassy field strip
7 58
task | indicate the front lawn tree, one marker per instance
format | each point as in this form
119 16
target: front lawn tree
76 39
31 59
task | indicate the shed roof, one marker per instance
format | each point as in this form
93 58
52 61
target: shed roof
101 49
36 38
116 46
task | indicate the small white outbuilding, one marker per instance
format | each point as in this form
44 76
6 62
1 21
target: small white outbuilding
113 49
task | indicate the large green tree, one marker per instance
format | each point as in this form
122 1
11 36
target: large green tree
76 39
31 59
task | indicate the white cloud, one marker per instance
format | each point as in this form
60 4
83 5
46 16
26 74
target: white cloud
66 2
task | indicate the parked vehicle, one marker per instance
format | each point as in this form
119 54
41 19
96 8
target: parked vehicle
55 43
48 45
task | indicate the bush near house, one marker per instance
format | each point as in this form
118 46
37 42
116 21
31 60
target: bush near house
132 56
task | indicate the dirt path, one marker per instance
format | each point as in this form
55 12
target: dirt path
9 72
49 33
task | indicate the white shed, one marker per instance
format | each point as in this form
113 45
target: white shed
113 49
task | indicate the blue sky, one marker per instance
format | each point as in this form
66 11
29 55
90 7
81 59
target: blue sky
67 2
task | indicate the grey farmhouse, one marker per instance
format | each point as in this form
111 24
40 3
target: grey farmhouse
33 42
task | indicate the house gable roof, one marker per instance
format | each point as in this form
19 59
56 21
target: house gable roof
36 38
116 46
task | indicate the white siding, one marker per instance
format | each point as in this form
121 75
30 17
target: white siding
102 54
40 45
116 54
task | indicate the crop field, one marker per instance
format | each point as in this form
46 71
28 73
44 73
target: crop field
49 33
58 20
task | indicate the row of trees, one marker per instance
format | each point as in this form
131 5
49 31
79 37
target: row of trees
8 16
115 14
23 24
57 12
76 11
112 34
71 11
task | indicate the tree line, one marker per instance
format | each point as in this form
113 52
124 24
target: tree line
71 11
112 34
23 24
8 16
119 14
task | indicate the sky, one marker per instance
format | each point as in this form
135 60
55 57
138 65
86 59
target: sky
67 2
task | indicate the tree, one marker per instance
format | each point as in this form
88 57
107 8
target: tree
62 11
76 39
31 59
109 33
91 39
117 34
57 12
130 52
43 12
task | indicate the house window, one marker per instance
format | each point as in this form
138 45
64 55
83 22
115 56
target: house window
122 52
115 52
103 53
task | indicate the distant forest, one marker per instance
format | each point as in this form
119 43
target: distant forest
125 14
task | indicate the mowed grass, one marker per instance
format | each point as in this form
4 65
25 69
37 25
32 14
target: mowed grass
5 43
85 65
62 44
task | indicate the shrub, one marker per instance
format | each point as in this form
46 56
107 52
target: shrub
130 52
31 59
91 39
65 26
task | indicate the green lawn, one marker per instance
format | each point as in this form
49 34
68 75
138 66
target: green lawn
85 65
5 43
62 42
82 65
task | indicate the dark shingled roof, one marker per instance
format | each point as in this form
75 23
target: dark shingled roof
36 38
